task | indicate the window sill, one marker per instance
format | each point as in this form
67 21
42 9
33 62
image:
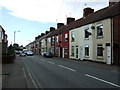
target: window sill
86 56
72 55
73 41
99 37
99 57
86 38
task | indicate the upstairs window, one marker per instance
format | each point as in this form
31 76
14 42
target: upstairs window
66 37
87 32
72 36
56 39
52 39
49 40
100 30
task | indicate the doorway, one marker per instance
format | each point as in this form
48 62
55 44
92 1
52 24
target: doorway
81 53
108 54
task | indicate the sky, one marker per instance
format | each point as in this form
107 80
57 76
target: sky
33 17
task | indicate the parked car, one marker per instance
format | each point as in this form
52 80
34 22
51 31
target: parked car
17 52
22 54
29 53
47 54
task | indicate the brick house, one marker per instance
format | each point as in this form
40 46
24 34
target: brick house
3 40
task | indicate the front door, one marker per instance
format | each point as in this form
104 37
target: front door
108 55
77 53
81 53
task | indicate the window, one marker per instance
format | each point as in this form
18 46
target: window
56 39
42 43
72 36
57 50
86 50
48 39
99 30
66 50
66 37
52 39
100 50
87 33
72 51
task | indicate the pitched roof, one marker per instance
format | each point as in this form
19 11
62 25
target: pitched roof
101 14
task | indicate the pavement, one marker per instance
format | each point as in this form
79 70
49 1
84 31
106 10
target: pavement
13 74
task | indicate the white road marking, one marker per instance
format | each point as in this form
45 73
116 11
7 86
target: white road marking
102 80
42 60
51 62
24 72
31 78
67 68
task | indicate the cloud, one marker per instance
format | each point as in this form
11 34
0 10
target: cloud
42 10
37 10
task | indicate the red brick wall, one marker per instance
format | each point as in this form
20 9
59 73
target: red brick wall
116 40
65 44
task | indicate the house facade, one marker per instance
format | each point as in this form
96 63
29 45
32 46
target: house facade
102 36
3 40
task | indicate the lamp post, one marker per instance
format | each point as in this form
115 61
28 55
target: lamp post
14 35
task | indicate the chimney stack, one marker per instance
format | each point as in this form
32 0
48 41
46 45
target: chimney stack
52 29
70 19
111 2
87 11
46 32
42 34
59 25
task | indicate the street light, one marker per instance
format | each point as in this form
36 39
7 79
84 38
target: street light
14 35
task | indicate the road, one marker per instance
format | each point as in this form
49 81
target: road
59 73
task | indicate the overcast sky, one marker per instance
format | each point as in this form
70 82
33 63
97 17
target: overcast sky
32 17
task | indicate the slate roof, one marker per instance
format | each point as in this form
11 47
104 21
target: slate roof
101 14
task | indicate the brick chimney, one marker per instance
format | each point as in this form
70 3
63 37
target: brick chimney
87 11
52 29
70 19
59 25
42 34
111 2
46 32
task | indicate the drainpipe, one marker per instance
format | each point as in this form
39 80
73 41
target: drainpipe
111 20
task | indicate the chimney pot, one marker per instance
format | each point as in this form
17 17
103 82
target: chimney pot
59 25
87 11
42 34
46 32
70 19
52 29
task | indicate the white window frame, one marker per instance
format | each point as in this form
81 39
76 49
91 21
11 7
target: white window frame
57 39
66 37
97 26
99 46
87 46
72 51
86 29
72 36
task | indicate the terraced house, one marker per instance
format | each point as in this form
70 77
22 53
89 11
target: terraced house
94 37
3 40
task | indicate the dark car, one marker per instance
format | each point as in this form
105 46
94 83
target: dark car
47 54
